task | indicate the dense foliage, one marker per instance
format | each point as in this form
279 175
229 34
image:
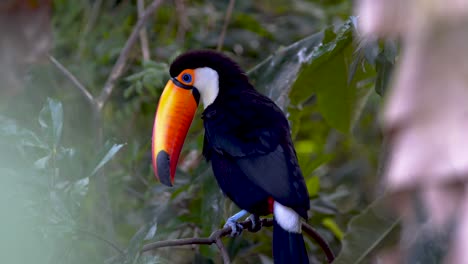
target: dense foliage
83 179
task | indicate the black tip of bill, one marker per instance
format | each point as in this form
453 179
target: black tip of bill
164 168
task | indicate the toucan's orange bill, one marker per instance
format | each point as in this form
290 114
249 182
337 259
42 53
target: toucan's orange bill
174 115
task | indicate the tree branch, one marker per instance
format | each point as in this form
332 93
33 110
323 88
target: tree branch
95 9
215 238
183 21
118 68
223 251
143 35
88 96
309 230
226 23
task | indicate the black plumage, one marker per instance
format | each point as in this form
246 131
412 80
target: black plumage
247 140
250 135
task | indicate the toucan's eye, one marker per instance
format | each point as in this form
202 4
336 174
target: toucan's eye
187 77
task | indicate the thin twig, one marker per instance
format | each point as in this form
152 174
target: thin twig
73 79
223 251
95 9
226 23
101 238
119 66
216 236
182 19
143 35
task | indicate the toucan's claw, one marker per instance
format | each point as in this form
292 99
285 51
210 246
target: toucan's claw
236 228
256 224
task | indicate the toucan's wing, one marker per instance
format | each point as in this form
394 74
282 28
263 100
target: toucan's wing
274 174
257 138
250 127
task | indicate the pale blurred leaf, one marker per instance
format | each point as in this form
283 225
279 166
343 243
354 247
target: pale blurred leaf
366 232
42 162
107 157
133 250
151 232
51 120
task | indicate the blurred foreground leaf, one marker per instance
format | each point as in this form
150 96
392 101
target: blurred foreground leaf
51 120
144 233
366 233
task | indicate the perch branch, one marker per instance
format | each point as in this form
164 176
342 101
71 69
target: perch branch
73 79
309 230
226 23
119 66
215 238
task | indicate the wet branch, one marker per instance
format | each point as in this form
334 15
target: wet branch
216 236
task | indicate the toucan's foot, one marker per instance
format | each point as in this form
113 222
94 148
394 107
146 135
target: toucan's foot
256 224
236 228
234 225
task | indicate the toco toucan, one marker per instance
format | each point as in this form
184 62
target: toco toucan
247 140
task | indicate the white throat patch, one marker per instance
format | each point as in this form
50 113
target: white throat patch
207 83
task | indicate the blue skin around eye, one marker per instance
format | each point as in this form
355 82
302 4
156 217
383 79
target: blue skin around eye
187 78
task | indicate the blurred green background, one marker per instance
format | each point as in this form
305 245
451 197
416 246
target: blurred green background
77 183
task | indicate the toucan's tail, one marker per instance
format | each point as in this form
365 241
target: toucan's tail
288 247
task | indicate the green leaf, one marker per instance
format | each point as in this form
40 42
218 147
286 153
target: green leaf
79 189
151 232
366 233
275 76
335 75
154 79
318 65
161 66
26 138
329 223
306 146
129 91
313 185
42 162
135 77
61 215
249 22
133 250
51 120
108 156
309 167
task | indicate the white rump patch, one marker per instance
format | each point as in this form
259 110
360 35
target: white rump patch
287 218
207 83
